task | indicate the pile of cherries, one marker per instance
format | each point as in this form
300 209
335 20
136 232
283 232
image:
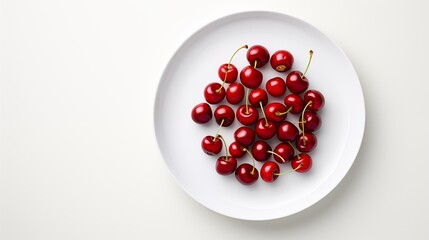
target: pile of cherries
296 139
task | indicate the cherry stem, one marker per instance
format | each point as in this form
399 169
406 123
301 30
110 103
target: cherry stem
278 155
263 112
217 132
308 64
226 148
247 101
283 113
292 170
294 149
229 64
303 122
256 63
253 159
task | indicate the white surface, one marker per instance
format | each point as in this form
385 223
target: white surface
182 86
78 152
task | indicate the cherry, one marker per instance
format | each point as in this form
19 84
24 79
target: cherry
235 93
276 112
261 151
270 171
311 122
294 102
246 174
306 142
287 131
214 93
227 72
244 136
283 152
226 165
282 61
301 163
201 113
236 150
247 115
211 145
258 97
251 77
258 55
314 99
265 129
276 86
224 115
296 81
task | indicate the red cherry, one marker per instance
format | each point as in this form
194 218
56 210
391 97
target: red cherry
211 145
306 142
294 102
316 98
232 73
214 93
244 136
236 150
265 131
285 150
312 122
295 83
282 61
235 93
247 115
270 171
258 55
246 174
226 166
201 113
251 77
224 113
276 86
258 97
275 112
261 151
301 163
287 132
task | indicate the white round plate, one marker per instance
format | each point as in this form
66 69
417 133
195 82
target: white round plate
195 65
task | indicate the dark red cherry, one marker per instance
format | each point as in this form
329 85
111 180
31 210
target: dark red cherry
275 112
258 97
214 93
211 145
259 55
282 61
232 73
306 142
235 93
236 150
251 77
261 151
265 131
247 115
244 136
295 102
285 150
276 86
302 163
312 121
226 166
201 113
224 113
287 132
317 100
296 83
246 174
270 171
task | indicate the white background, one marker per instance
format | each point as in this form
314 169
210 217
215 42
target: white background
79 158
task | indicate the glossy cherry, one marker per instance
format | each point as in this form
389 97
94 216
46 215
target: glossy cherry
306 142
285 151
265 129
201 113
261 151
258 97
294 102
251 77
211 145
224 115
236 150
276 86
226 165
282 61
235 93
302 163
228 72
276 112
246 174
311 123
214 93
296 81
258 55
270 171
244 136
287 132
247 115
314 99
